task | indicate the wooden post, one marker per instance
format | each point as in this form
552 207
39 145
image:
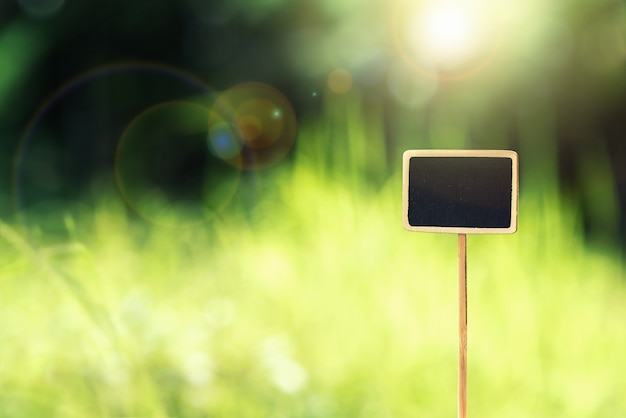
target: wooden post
462 407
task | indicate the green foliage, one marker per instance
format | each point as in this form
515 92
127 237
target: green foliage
312 302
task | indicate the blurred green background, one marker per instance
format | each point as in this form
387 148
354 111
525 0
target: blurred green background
200 209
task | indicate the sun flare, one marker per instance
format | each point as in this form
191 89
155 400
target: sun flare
448 34
448 39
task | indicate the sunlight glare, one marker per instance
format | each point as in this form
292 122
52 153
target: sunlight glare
447 34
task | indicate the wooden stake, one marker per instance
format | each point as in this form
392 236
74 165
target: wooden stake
462 408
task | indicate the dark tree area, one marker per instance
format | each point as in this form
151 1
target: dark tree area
99 57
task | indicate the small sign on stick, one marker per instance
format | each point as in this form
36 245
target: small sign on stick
461 192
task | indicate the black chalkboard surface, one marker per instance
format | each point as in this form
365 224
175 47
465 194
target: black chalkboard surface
460 191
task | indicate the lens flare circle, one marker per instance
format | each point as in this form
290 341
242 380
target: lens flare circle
251 126
163 170
29 178
259 123
221 139
450 41
339 81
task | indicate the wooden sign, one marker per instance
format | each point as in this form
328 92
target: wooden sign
460 191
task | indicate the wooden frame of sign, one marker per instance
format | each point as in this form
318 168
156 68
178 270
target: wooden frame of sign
461 192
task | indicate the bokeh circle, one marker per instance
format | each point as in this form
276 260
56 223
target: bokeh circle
251 126
65 154
164 171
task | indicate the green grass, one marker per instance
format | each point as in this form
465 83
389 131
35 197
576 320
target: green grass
313 302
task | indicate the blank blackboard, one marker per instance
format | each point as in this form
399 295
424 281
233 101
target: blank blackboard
460 191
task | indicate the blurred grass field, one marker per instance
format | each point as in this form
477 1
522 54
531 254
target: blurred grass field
310 302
